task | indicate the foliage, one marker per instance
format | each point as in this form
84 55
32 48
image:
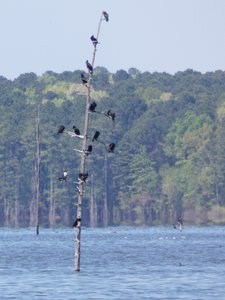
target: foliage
169 158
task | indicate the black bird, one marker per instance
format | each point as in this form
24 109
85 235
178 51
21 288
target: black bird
61 129
94 40
179 224
106 16
75 223
111 114
83 78
111 147
76 130
89 150
64 176
83 176
92 106
89 66
95 136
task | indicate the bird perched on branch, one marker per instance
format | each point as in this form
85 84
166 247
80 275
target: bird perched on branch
95 136
61 129
83 176
76 130
88 150
84 79
64 176
111 147
111 114
94 41
89 66
92 106
75 223
106 16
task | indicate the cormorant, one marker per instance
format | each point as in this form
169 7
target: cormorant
179 223
92 106
95 136
106 16
75 223
89 150
83 176
89 66
83 78
76 130
111 147
64 176
61 129
94 40
111 114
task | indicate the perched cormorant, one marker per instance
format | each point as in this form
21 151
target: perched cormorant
76 130
95 136
75 223
111 147
83 176
92 106
94 40
179 224
106 16
111 114
89 66
89 150
83 78
61 129
64 176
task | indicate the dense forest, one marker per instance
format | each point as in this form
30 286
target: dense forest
169 159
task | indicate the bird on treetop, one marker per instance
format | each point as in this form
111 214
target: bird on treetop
111 147
83 176
106 16
92 106
83 78
95 136
94 41
61 129
76 130
89 66
111 114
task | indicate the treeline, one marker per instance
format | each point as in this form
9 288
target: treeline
169 159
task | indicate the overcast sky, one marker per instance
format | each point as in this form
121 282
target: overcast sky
150 35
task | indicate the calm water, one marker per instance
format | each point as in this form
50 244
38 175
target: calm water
116 263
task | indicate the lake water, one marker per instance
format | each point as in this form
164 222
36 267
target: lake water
116 263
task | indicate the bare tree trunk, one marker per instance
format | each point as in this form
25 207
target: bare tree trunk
38 173
82 163
52 204
6 210
16 217
93 206
105 203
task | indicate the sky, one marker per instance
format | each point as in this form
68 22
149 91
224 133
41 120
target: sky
149 35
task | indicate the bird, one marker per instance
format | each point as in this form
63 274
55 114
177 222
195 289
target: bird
106 16
83 176
83 78
111 114
61 129
64 176
179 223
89 150
111 147
94 41
95 136
92 106
76 130
75 223
89 66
